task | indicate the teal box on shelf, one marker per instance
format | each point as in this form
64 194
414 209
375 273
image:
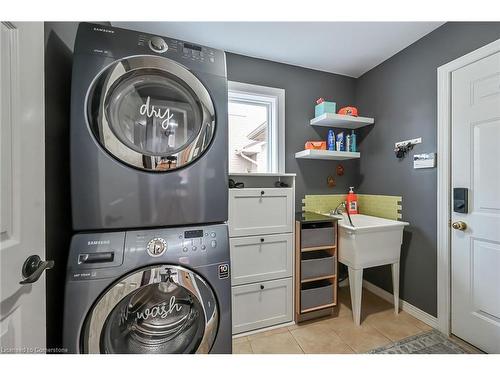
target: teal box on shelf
325 107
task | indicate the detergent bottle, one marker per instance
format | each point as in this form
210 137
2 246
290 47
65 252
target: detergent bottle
352 202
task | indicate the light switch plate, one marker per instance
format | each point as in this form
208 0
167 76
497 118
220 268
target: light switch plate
424 160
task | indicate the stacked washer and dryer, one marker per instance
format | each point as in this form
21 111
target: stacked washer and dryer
148 268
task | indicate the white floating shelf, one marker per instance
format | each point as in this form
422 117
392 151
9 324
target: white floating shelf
341 121
327 155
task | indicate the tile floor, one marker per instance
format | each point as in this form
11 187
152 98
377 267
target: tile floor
335 335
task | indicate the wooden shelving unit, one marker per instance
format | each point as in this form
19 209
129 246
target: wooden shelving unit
316 248
324 281
330 305
333 120
318 278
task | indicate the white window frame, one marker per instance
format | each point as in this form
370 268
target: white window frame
274 99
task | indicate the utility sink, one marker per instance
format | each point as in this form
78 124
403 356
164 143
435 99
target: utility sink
371 241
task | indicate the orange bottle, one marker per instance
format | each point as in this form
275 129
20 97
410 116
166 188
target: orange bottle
352 202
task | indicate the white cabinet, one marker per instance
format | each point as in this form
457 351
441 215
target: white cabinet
257 211
261 231
260 258
262 304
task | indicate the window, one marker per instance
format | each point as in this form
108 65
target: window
256 129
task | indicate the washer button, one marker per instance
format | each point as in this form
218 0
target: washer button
156 247
194 248
185 249
212 234
203 247
213 243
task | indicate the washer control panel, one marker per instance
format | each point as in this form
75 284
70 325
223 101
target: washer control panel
180 242
198 239
108 254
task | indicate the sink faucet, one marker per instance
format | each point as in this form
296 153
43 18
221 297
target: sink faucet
337 211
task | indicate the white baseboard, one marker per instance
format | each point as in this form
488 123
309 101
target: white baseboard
248 333
405 306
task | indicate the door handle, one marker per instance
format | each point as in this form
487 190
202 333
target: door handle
459 225
33 268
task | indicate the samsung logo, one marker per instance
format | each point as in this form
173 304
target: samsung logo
104 30
103 242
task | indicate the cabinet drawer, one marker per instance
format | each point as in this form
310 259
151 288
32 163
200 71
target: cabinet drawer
315 294
261 258
260 211
316 264
262 305
317 235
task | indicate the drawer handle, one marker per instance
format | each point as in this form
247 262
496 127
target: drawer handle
262 192
261 240
261 287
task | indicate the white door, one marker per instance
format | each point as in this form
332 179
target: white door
22 224
475 250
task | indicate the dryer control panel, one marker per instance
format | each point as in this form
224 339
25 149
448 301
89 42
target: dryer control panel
117 43
187 51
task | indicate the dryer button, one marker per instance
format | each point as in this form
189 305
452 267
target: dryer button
157 44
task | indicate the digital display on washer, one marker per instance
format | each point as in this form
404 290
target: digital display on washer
193 233
191 46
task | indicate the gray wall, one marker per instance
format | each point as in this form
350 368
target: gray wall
302 88
401 95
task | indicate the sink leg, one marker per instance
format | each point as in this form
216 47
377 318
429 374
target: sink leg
395 286
356 287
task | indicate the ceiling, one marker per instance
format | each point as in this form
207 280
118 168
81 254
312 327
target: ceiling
348 48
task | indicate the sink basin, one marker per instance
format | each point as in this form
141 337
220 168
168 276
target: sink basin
372 241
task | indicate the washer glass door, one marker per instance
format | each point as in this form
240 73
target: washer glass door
151 113
161 309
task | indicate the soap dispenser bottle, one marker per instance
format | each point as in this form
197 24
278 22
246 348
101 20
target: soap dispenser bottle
354 147
352 202
331 140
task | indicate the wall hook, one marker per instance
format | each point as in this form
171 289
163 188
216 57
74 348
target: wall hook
403 147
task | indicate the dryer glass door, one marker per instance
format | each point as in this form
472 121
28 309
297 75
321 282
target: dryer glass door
151 113
161 309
